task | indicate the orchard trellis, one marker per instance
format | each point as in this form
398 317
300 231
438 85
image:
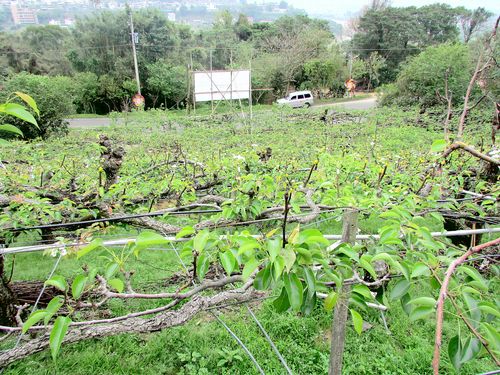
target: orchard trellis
290 262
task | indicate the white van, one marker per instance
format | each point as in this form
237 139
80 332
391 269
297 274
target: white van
298 99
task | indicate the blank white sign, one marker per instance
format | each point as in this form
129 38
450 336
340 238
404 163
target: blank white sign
221 85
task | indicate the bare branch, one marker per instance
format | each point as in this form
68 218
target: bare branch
442 296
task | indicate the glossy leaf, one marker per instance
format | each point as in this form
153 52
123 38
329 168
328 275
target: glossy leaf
399 289
117 284
421 312
33 319
28 100
11 129
57 281
94 245
331 300
454 352
184 232
357 321
228 261
57 335
78 286
263 278
17 110
202 265
52 308
282 303
250 266
294 290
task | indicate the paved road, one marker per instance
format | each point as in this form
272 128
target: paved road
89 122
362 104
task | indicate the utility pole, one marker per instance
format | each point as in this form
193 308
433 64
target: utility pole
133 37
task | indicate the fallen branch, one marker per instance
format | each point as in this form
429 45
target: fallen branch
442 296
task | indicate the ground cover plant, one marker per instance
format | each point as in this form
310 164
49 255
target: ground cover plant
287 175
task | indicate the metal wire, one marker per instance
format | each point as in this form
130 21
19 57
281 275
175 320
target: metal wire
40 296
278 354
222 322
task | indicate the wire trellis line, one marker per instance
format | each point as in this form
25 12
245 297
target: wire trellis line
330 237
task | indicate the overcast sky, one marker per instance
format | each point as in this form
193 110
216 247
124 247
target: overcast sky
340 7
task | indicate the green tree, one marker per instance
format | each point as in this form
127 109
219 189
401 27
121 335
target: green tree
166 83
398 33
424 76
53 96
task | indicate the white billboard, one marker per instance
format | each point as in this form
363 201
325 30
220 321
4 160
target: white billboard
221 85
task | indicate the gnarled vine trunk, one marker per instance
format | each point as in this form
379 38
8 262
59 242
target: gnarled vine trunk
7 299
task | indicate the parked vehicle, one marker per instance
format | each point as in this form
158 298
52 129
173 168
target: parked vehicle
298 99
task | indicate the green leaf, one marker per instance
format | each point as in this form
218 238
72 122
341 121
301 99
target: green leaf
202 265
278 267
470 349
454 352
28 100
34 318
364 262
438 145
420 269
116 284
11 129
147 239
310 280
423 301
399 289
289 257
407 308
78 286
263 278
421 312
95 244
110 270
250 266
228 261
294 290
282 304
184 232
489 308
312 237
475 275
309 303
52 308
57 335
389 235
357 321
17 110
363 291
331 300
57 281
273 248
492 335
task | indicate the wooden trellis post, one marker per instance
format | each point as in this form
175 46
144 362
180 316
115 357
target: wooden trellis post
350 227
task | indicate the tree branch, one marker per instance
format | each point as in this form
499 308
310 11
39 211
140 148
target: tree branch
442 296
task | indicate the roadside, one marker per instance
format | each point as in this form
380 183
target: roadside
363 102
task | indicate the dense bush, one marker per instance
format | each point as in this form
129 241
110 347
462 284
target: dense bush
54 97
424 75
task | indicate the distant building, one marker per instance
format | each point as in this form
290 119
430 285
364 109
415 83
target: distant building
22 15
171 16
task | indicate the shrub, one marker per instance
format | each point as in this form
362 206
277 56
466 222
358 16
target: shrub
425 73
54 98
